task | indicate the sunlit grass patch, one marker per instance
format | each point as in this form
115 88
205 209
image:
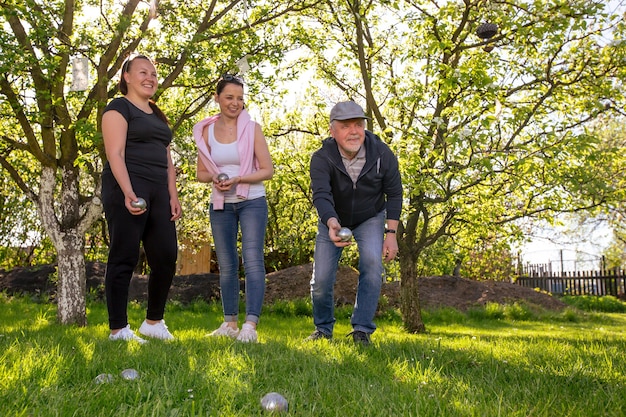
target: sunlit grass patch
606 303
500 361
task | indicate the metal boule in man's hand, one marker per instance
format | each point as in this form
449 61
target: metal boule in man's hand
344 234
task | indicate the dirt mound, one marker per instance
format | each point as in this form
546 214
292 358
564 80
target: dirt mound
435 292
290 284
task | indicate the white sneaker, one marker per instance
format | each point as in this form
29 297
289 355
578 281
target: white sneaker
225 330
127 335
157 330
247 334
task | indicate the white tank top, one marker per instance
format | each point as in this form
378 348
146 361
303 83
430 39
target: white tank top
226 157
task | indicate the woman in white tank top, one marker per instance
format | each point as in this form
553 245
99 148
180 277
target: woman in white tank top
232 143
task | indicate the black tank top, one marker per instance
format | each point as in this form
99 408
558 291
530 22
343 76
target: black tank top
146 142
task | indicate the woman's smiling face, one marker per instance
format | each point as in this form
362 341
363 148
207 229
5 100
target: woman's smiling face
141 77
230 100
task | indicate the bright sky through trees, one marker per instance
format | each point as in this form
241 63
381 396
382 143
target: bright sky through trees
574 247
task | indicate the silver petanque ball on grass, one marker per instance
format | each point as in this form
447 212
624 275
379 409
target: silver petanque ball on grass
140 203
222 177
129 374
103 379
344 234
274 402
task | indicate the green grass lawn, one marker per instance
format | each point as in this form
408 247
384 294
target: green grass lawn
485 363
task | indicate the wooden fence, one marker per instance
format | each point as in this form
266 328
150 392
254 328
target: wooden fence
609 282
193 258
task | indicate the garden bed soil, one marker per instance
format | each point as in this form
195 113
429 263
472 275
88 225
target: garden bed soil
293 283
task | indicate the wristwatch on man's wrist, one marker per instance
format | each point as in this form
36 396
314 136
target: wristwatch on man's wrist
390 231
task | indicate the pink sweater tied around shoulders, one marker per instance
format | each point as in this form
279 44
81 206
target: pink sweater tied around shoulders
245 147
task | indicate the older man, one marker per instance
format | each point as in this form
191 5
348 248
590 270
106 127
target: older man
356 184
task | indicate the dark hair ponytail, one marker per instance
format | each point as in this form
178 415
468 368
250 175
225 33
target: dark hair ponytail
158 112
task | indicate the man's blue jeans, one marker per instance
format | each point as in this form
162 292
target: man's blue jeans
251 216
369 237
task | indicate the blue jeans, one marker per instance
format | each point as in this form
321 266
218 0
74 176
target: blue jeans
251 216
369 237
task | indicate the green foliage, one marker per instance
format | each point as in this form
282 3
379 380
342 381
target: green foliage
495 311
605 303
389 314
292 223
51 147
294 308
484 138
613 141
303 307
97 241
22 239
615 253
490 259
442 316
439 258
570 315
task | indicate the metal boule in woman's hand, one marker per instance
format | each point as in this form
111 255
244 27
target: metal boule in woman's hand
222 177
139 203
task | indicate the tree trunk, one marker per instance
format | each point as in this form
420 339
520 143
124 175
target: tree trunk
66 228
72 285
409 295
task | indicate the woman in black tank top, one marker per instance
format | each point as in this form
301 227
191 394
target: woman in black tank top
140 200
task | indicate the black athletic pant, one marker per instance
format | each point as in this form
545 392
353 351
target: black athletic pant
126 231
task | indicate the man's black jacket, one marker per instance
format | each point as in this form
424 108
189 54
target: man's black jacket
378 187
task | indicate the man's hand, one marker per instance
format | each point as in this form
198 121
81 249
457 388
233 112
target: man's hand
390 247
333 228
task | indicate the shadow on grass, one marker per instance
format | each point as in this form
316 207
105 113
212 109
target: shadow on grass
487 367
